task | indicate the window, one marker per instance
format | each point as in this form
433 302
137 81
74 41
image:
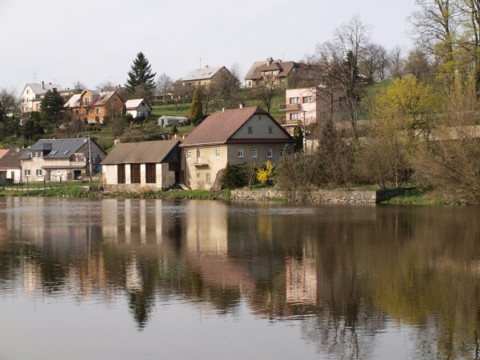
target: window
121 173
270 129
97 110
135 173
254 153
86 101
294 100
218 153
294 116
189 154
307 99
27 172
269 153
38 172
250 131
207 178
150 173
240 153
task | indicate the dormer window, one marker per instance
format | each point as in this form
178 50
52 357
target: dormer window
86 101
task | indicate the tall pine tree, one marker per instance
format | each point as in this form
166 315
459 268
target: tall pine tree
196 107
141 80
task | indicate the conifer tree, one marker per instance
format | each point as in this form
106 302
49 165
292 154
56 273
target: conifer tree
196 107
141 80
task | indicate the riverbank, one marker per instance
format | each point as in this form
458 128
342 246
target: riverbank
404 196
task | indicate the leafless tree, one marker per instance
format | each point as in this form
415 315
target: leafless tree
373 62
417 64
9 102
164 82
396 63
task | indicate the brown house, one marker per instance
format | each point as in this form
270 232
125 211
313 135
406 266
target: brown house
94 107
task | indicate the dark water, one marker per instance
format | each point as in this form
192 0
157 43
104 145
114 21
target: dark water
136 279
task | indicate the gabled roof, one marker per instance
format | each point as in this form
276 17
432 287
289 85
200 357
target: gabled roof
39 89
202 74
219 127
135 103
11 159
98 98
140 152
59 148
283 68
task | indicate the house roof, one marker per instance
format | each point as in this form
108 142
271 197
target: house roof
219 127
135 103
140 152
39 89
59 148
98 98
201 74
283 67
10 159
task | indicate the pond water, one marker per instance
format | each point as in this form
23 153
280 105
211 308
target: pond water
151 279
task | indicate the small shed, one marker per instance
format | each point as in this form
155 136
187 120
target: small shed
167 120
138 108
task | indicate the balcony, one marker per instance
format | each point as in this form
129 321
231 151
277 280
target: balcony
201 162
290 107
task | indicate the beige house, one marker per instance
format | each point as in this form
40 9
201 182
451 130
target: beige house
94 107
238 136
205 76
61 160
148 164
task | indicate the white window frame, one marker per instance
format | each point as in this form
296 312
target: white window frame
39 172
240 153
270 153
254 153
295 100
217 153
294 116
27 172
189 154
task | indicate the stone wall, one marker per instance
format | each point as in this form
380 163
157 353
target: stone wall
320 196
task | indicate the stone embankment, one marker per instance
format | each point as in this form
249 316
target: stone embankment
319 196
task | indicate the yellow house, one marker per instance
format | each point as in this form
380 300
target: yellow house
205 76
93 107
238 136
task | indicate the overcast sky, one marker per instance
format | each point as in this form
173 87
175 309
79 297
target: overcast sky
95 41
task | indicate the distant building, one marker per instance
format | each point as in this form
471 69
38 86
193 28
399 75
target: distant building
205 76
61 160
33 93
94 107
138 108
10 167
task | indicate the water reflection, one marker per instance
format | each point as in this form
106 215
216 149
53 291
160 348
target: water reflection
349 274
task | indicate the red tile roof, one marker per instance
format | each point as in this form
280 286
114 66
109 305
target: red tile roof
219 127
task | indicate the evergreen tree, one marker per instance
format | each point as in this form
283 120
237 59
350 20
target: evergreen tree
141 80
298 137
52 108
196 107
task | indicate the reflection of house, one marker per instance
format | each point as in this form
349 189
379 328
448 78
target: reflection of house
205 76
60 160
301 281
238 136
153 164
138 108
10 169
33 93
312 105
94 107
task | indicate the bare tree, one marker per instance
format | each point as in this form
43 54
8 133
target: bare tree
9 102
417 64
373 61
396 63
164 82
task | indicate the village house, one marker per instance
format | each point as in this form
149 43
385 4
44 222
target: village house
138 108
10 168
237 136
205 76
33 93
273 72
61 160
149 164
94 107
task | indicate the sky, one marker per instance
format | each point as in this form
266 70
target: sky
95 41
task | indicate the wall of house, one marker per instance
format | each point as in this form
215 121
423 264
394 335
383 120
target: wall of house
14 175
302 108
260 127
164 178
203 177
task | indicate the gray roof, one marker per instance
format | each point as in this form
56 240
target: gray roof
38 89
59 148
200 74
140 152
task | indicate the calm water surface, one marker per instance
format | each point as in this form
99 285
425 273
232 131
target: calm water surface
141 279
